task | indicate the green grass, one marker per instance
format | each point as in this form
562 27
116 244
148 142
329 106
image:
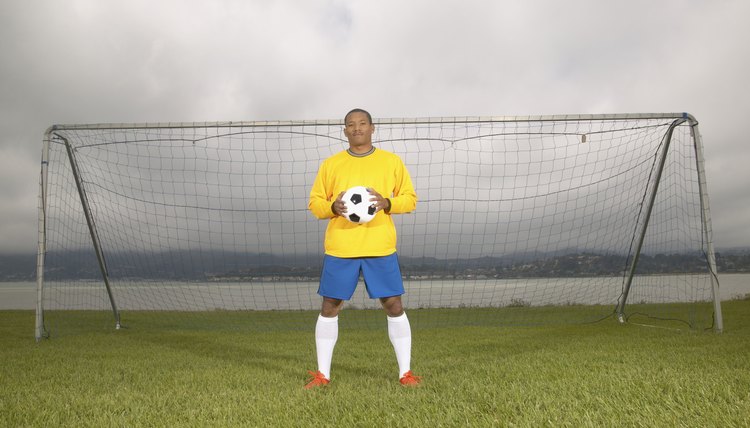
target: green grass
601 374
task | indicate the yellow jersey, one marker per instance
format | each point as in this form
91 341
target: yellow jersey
380 170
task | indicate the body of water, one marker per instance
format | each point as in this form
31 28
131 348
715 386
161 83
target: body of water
423 293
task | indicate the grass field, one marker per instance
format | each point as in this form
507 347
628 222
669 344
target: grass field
602 374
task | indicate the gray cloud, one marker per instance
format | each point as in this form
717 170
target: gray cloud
139 61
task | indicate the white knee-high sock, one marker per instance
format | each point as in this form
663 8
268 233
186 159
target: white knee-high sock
399 331
326 334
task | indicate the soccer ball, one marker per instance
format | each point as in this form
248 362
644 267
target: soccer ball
359 209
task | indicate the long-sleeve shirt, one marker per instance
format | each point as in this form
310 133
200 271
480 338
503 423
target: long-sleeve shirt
380 170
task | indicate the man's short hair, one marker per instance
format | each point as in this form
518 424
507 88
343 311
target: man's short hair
358 110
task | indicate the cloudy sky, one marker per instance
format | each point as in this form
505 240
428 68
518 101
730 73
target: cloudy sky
91 61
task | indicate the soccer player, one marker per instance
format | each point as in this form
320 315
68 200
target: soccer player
368 248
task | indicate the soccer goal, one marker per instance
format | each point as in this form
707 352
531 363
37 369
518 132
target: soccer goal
520 221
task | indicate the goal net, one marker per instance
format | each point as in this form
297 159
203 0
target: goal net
519 221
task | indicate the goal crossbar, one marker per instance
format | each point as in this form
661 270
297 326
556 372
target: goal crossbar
382 121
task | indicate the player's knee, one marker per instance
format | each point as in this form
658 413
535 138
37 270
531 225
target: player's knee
393 306
330 307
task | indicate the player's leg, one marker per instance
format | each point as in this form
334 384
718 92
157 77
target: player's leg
383 279
337 283
326 334
399 331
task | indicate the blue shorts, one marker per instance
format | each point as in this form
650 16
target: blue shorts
340 276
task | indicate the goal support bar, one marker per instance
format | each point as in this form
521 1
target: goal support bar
644 224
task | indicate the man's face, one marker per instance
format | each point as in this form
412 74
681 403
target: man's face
358 130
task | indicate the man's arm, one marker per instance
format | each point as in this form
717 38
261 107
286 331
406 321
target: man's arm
320 203
404 197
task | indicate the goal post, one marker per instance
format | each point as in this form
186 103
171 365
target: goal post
706 222
703 195
521 220
41 237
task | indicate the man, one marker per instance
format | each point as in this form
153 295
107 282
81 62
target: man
367 248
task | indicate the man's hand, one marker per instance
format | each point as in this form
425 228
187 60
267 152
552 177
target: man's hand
379 201
338 206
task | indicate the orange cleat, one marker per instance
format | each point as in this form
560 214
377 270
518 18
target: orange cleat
408 379
317 380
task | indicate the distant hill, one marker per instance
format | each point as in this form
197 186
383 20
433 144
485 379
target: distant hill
734 251
17 267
